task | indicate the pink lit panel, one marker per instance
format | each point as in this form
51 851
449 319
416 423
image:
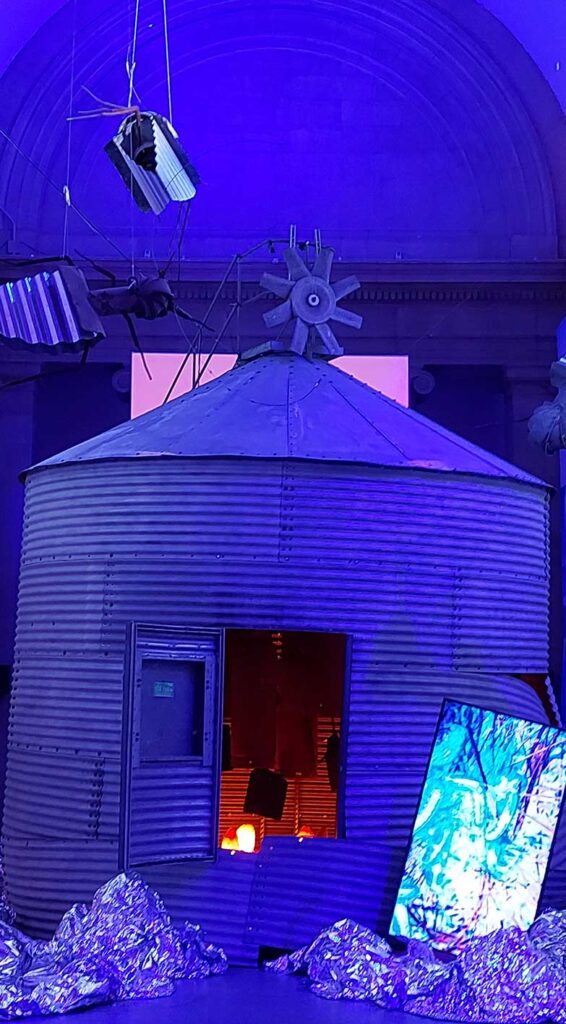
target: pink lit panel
388 374
148 394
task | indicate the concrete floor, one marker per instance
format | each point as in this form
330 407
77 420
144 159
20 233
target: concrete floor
243 997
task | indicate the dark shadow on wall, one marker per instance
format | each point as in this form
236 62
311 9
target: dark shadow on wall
471 401
72 407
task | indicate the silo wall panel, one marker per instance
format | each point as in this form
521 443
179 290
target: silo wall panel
301 887
215 895
46 876
441 581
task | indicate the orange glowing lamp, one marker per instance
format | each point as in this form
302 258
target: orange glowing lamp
230 840
246 838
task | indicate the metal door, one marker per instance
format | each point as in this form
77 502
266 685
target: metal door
171 744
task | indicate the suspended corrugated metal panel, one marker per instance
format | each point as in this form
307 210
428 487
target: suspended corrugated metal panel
441 582
214 895
287 407
302 886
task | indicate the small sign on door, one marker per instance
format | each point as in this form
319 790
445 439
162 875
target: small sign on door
163 689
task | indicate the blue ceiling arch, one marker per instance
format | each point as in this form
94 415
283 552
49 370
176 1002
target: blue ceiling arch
542 37
399 126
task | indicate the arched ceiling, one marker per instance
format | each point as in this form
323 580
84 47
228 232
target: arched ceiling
410 127
541 29
544 38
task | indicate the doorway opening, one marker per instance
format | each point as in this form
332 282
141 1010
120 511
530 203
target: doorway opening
282 728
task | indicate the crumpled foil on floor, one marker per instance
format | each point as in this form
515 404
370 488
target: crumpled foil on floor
508 977
123 947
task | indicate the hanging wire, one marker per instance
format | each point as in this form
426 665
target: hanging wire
131 57
131 69
167 61
132 228
57 188
181 238
67 185
431 331
233 309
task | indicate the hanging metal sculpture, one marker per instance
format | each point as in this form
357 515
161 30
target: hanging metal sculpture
311 301
54 309
151 161
547 425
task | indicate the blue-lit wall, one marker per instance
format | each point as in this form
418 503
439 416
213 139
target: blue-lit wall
400 128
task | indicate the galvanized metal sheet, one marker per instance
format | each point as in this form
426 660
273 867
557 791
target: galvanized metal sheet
64 702
52 795
302 886
171 813
214 895
44 878
441 582
285 406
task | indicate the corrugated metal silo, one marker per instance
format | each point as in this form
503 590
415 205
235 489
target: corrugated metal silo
285 495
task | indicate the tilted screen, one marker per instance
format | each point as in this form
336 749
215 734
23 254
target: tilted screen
484 827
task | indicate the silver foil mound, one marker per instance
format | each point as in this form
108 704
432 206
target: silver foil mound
508 977
124 946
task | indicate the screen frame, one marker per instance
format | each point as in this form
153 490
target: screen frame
559 820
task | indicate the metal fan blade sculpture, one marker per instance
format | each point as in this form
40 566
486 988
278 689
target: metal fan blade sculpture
312 302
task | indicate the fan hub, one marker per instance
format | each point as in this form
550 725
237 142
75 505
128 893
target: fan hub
313 300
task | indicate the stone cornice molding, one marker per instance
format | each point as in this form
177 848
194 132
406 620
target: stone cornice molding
388 283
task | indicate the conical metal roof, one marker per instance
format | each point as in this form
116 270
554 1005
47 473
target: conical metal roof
284 406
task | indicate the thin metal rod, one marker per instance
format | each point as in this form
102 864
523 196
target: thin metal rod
198 335
236 260
219 337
